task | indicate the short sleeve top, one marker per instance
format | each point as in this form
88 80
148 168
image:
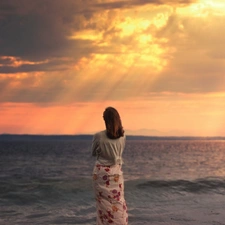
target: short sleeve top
108 151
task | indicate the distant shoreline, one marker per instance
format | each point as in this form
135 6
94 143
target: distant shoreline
36 137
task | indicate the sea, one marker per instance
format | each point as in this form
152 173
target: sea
167 181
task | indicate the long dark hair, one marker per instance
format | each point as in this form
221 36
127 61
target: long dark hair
114 128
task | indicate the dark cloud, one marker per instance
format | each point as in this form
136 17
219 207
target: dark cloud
61 60
32 67
39 30
133 3
31 37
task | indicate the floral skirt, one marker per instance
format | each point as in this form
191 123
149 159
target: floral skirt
108 186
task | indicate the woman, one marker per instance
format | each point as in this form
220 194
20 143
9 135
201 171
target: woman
107 147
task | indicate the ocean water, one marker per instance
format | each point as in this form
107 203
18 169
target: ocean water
173 182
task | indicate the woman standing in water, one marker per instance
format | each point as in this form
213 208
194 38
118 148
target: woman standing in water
107 147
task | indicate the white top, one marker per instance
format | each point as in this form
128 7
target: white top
108 151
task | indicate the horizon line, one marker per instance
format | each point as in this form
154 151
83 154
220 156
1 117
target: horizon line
132 135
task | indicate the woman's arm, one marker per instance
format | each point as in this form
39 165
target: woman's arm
95 148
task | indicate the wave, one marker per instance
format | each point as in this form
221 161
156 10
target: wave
42 190
196 186
52 191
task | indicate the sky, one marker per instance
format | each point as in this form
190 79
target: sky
160 63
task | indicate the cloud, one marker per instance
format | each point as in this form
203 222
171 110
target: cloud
40 30
132 3
33 87
52 61
78 51
197 63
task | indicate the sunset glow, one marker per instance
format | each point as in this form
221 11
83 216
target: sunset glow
160 63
